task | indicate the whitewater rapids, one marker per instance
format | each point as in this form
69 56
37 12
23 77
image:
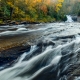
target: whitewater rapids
51 64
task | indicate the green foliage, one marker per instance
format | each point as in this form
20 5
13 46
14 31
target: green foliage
71 7
31 10
1 22
79 13
6 11
51 11
64 18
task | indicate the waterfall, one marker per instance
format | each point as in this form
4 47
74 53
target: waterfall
69 19
51 64
28 69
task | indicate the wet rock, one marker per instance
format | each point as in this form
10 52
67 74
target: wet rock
24 22
12 54
6 60
3 24
51 43
74 18
27 22
45 43
64 37
14 23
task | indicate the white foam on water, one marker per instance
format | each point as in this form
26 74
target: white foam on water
50 55
24 66
53 62
21 29
69 19
77 78
21 25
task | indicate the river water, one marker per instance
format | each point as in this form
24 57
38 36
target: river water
55 57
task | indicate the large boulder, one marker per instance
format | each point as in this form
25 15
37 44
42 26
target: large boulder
74 18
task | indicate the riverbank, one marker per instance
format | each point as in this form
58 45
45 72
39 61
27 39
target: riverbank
9 22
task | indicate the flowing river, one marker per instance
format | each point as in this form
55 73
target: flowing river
54 53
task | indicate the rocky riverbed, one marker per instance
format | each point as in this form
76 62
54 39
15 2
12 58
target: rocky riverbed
63 37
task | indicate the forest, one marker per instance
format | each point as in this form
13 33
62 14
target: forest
31 10
71 7
36 10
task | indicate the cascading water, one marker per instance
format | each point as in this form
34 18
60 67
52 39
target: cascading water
55 56
53 63
69 19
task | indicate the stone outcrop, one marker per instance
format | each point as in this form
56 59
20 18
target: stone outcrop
78 19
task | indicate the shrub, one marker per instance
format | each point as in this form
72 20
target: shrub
79 13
